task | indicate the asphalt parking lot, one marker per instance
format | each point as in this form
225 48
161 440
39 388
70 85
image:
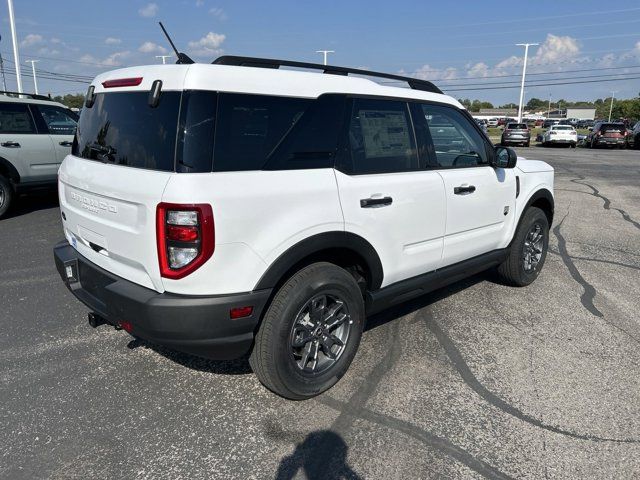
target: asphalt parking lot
476 380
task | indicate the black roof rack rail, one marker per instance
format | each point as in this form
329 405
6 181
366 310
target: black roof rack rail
414 83
33 96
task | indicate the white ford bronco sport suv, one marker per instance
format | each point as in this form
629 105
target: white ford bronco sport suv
241 208
36 134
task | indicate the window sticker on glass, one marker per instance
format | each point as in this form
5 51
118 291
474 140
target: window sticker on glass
385 133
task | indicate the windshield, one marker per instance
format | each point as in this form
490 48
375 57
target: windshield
562 127
517 126
121 128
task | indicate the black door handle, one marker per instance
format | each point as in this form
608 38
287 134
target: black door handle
10 144
464 189
66 143
375 202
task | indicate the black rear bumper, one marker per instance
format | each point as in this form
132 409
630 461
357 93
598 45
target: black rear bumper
199 325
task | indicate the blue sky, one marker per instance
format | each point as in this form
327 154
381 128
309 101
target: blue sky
456 44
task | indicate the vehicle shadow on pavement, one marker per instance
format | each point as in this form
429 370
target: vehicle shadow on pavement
423 301
239 366
41 200
321 455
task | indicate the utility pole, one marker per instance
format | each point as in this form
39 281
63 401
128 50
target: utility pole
549 108
524 72
4 80
33 69
325 52
16 57
164 58
613 94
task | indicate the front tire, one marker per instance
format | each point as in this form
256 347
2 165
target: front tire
528 250
6 195
310 332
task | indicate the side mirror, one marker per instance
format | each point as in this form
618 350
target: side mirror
505 157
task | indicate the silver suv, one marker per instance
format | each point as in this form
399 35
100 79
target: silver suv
36 134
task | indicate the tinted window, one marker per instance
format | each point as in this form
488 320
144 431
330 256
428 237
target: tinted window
15 118
379 138
517 126
59 120
312 142
457 143
122 128
250 127
612 127
197 128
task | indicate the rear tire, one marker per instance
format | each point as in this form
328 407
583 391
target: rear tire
295 343
528 250
6 195
528 144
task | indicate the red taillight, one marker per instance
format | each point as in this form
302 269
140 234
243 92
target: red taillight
182 234
122 82
126 326
240 312
185 238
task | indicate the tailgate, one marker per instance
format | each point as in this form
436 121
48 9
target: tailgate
110 216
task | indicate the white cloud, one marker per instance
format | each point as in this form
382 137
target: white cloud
207 45
56 40
427 72
480 69
149 10
556 49
112 41
31 40
150 47
114 60
199 3
219 13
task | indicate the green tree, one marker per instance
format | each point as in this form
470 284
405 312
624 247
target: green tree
71 100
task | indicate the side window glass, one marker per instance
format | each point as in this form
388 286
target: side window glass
250 127
59 120
313 141
379 138
15 118
456 141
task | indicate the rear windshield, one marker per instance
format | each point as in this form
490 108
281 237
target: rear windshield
562 127
612 127
122 128
517 126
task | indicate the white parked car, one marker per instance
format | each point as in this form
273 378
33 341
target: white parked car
492 122
224 209
560 135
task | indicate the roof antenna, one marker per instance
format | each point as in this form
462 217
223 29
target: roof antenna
182 57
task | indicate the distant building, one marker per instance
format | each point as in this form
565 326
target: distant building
498 112
581 113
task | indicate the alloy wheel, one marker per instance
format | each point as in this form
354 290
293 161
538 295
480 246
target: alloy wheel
320 333
533 247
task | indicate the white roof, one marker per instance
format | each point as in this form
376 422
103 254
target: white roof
7 98
261 81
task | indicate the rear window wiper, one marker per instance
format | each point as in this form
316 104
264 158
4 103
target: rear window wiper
104 152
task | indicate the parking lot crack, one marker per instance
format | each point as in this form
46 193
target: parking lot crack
431 440
589 291
470 379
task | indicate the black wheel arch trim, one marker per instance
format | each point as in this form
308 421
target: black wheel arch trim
316 244
11 171
545 194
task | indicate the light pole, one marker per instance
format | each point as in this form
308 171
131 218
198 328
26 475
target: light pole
325 52
524 72
613 94
549 108
16 57
33 69
164 58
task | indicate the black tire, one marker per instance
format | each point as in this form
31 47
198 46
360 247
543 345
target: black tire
528 144
513 270
274 357
6 195
636 142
